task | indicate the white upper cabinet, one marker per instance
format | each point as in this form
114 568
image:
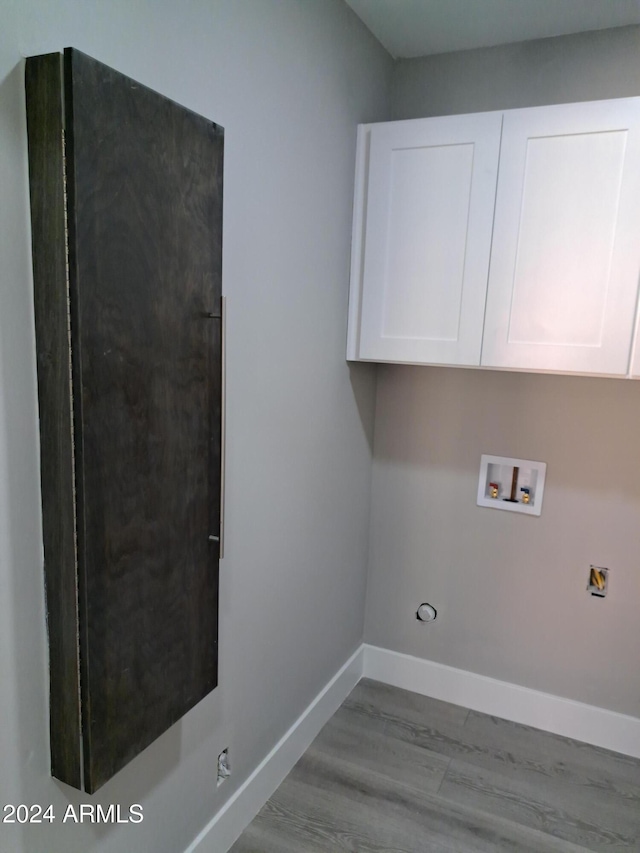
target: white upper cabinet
424 205
505 240
565 256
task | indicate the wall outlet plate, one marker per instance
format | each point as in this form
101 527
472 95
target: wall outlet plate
514 485
224 768
598 583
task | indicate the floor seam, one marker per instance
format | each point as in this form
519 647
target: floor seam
444 775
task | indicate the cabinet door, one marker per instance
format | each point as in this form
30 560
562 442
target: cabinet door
429 213
145 185
566 248
133 611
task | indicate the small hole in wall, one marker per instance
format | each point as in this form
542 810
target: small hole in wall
426 613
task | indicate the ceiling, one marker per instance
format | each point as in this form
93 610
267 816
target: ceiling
410 28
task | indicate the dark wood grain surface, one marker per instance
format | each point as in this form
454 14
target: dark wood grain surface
145 184
43 83
144 200
395 771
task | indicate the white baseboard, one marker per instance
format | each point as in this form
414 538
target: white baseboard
587 723
238 812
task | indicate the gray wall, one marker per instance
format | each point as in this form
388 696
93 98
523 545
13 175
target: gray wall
289 80
510 589
581 67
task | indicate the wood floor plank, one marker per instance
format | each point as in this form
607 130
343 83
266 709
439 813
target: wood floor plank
550 808
558 756
348 808
269 836
391 703
348 736
395 772
525 752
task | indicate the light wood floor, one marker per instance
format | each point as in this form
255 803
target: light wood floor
394 771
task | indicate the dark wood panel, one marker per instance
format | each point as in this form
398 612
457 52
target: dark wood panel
129 383
43 81
145 182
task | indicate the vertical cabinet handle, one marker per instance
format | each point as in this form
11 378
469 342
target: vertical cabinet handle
223 417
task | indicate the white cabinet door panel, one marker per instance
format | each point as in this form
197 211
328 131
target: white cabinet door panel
431 191
565 257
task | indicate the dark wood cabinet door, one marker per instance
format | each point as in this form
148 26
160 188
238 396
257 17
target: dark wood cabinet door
144 202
